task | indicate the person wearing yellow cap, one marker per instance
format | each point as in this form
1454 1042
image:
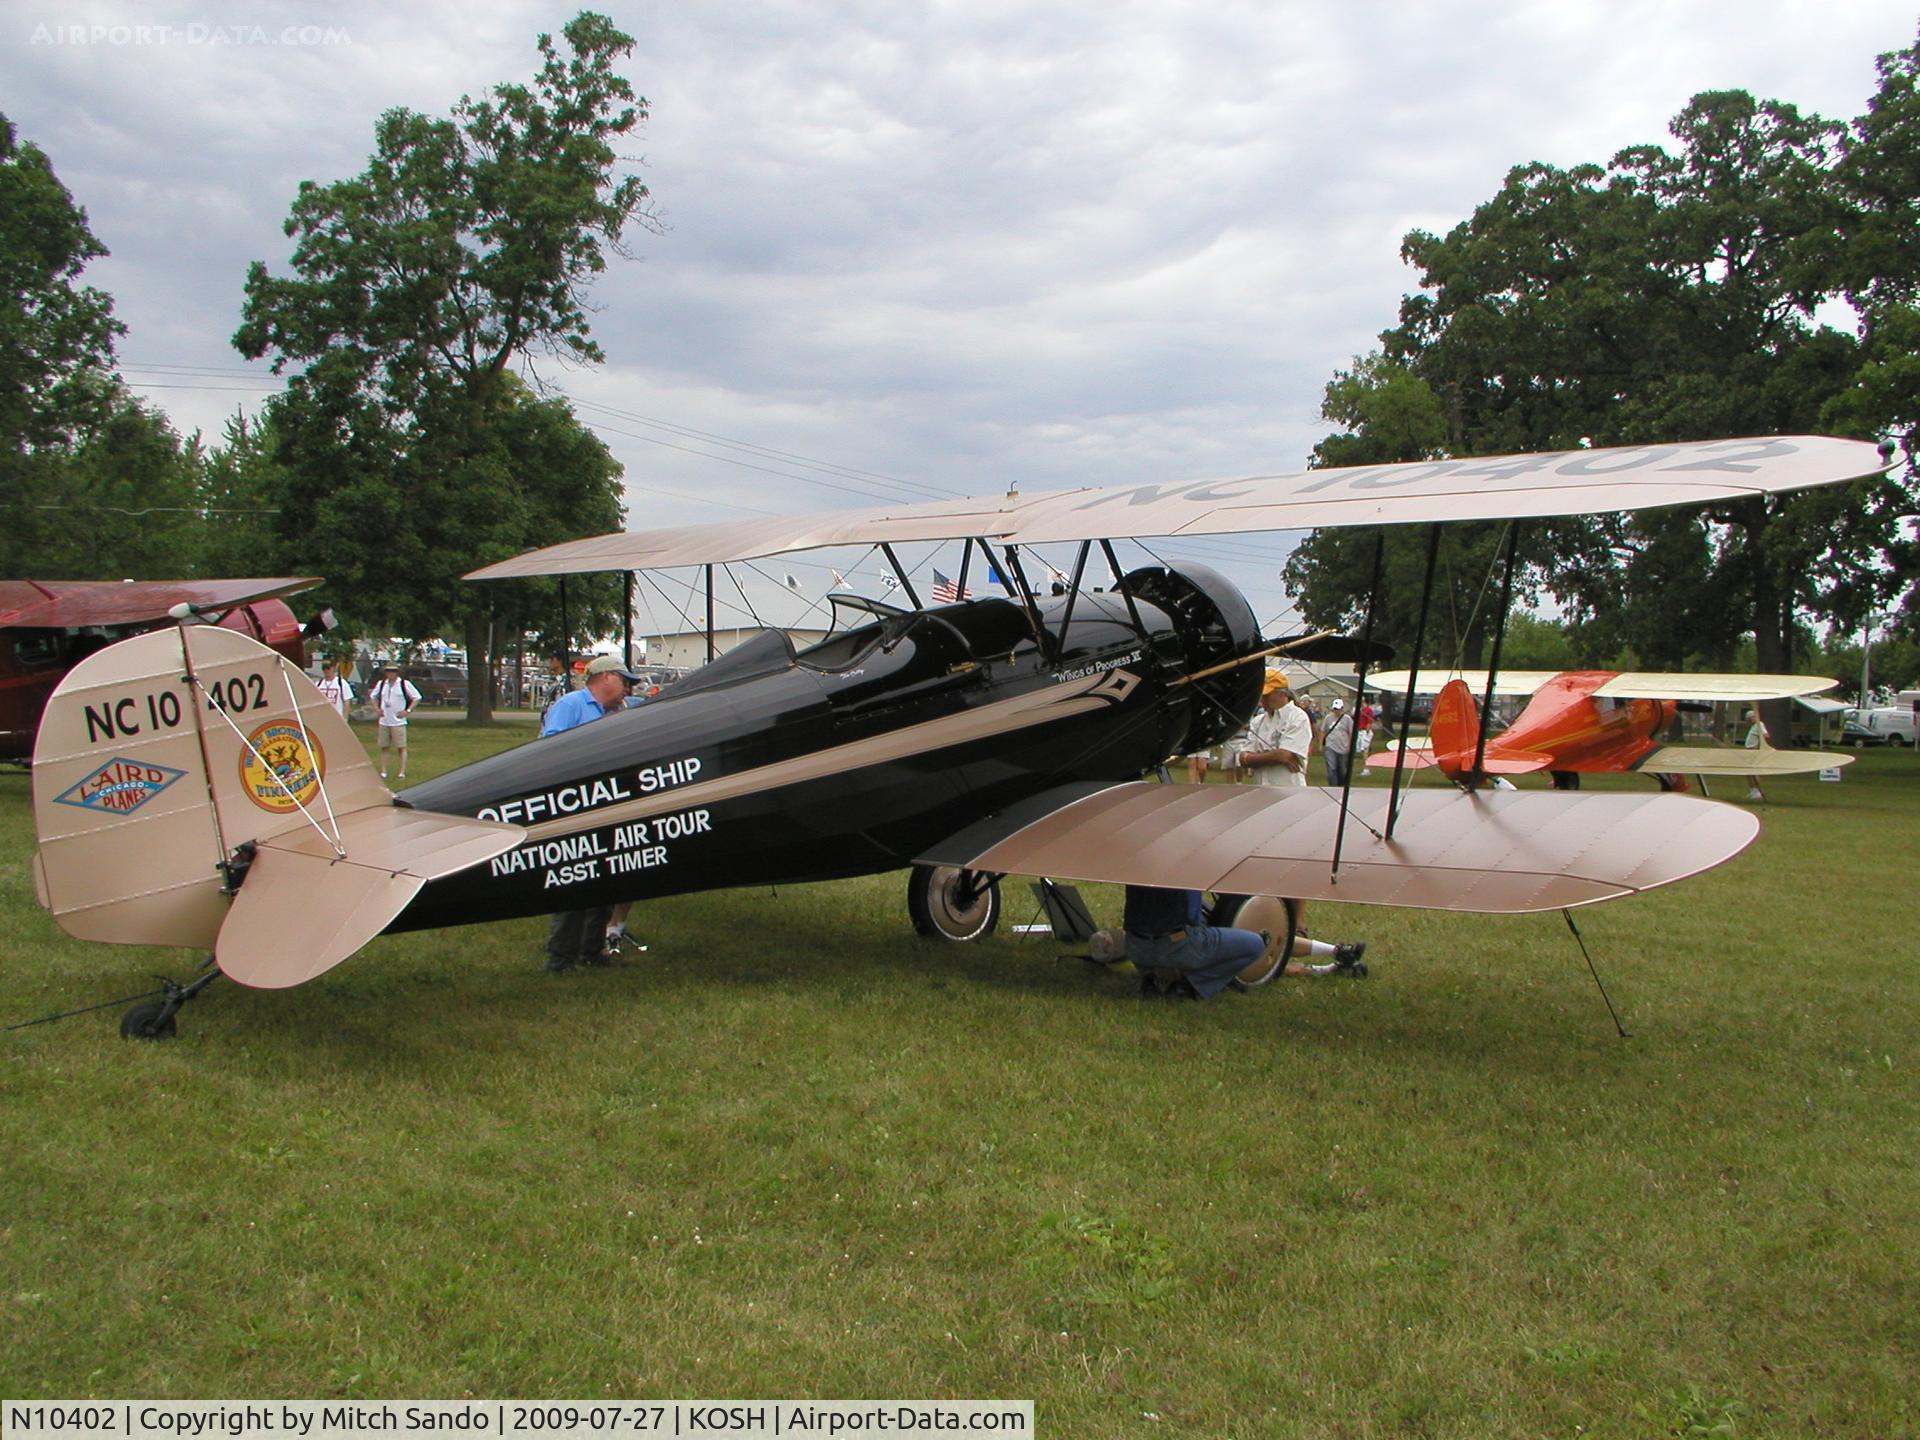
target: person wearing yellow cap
1280 736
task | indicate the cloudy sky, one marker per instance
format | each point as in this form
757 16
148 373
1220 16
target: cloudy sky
913 248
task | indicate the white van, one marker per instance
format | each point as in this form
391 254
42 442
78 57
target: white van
1883 725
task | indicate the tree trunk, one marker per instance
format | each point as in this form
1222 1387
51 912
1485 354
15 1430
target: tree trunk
479 671
1772 629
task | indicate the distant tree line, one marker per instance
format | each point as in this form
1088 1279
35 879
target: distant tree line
1668 294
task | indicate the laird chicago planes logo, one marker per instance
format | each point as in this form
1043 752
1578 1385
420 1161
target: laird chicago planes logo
119 787
282 766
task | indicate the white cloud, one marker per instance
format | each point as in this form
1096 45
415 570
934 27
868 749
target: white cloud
961 245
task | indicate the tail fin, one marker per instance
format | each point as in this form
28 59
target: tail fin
164 760
1454 736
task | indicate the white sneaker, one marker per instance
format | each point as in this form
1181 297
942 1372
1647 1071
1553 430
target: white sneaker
1755 795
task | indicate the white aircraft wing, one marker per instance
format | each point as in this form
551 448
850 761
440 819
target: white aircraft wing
1733 760
1647 685
1511 682
1629 685
1566 482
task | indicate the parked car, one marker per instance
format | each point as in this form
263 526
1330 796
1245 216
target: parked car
438 684
1883 725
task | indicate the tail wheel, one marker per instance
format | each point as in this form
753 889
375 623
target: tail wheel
949 903
1277 917
151 1021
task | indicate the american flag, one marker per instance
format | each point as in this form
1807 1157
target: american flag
946 592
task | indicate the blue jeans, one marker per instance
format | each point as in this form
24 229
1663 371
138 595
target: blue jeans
1206 957
1338 764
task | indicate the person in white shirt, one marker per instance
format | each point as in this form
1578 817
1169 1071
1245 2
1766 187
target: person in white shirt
338 689
393 700
1336 744
1279 737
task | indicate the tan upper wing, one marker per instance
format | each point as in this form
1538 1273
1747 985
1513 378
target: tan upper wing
1500 852
1567 482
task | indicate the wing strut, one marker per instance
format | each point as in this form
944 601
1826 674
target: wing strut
1133 610
1073 590
1413 677
1499 634
1359 694
1625 1034
899 570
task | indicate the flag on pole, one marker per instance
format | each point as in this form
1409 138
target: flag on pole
993 574
889 582
946 592
792 584
839 581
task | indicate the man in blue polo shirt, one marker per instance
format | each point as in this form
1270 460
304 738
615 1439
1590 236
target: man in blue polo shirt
579 937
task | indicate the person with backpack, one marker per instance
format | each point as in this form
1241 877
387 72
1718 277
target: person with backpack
393 700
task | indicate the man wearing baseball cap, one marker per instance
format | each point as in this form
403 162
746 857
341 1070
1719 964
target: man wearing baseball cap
1336 744
1279 737
579 937
604 693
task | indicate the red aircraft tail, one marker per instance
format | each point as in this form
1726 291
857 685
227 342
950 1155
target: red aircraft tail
1454 734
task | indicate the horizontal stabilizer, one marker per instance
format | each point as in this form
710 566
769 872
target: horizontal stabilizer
301 910
1498 760
1504 852
1711 760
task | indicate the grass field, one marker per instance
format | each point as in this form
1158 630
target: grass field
795 1151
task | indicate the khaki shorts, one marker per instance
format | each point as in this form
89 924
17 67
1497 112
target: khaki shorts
393 737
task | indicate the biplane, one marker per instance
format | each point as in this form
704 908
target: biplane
1597 722
192 789
49 626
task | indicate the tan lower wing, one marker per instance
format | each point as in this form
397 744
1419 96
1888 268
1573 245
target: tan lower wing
1703 760
301 911
1502 852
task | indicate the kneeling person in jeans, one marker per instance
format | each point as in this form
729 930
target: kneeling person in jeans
1177 955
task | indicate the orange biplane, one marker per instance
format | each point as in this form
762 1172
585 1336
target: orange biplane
1598 722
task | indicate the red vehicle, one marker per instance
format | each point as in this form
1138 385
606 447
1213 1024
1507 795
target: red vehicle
1598 721
49 626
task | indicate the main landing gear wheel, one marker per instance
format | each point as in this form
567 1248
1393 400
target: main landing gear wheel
1277 917
953 904
151 1021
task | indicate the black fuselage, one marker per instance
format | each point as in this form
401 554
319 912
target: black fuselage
853 757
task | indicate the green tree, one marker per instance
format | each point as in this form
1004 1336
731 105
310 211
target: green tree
466 244
56 350
127 508
1881 173
238 491
1665 296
